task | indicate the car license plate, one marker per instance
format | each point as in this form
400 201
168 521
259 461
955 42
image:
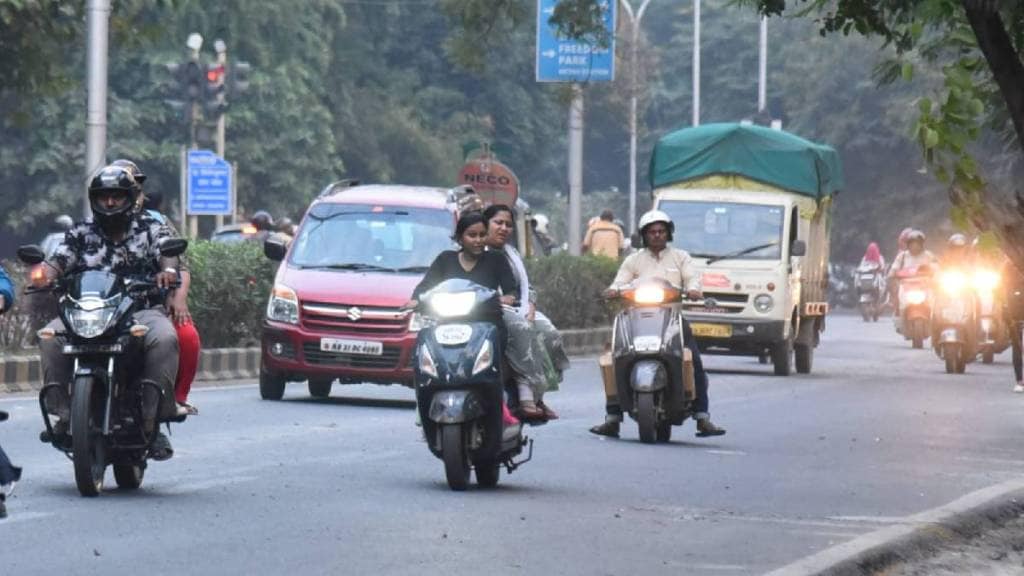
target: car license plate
365 347
712 330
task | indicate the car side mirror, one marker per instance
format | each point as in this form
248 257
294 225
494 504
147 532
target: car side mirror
798 248
274 249
171 247
31 254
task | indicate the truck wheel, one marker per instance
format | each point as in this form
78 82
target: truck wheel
782 357
320 387
271 385
804 358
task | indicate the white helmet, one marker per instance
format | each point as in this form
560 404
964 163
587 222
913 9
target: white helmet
656 216
540 223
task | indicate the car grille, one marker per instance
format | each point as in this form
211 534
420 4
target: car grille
336 318
314 355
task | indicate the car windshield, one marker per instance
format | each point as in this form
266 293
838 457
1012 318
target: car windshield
368 237
708 229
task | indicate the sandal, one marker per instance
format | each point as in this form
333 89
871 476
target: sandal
548 412
530 411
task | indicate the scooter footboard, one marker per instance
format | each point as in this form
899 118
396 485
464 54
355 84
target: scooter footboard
455 407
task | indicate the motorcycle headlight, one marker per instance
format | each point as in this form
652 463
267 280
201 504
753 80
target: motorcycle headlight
916 296
484 358
649 295
452 304
763 303
952 282
985 280
90 323
426 362
283 305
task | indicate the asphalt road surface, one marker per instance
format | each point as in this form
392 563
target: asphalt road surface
876 433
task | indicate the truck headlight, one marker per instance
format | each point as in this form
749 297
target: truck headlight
763 303
283 305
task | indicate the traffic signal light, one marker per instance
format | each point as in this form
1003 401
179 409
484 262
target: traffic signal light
238 76
214 103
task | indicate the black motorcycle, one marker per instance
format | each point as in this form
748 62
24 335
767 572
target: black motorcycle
649 367
109 404
460 384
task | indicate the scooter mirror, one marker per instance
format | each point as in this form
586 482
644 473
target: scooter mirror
31 254
274 249
171 247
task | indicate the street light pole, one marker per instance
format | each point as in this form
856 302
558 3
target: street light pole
98 18
635 29
762 72
575 170
696 62
222 60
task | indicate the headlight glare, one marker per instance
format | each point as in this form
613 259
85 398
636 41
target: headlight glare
915 296
452 304
953 281
649 295
985 280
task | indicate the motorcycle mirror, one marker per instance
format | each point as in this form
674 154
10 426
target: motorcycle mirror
171 247
274 249
31 254
798 248
634 241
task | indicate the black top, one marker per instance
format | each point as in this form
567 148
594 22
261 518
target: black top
491 271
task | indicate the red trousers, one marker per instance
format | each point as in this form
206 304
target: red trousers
188 360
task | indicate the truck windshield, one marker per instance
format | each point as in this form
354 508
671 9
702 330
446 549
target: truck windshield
709 229
367 237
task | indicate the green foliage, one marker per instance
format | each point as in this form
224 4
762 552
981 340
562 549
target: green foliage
228 297
18 324
569 288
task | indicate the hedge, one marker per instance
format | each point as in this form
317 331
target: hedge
569 288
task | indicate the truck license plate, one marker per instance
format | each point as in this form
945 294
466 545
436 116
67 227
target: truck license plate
712 330
364 347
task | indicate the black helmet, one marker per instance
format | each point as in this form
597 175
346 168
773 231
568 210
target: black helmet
114 179
285 225
262 220
132 167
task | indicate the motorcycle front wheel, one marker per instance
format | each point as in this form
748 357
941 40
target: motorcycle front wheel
917 333
87 444
646 417
456 460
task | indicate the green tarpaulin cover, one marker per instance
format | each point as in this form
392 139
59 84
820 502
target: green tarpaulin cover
770 156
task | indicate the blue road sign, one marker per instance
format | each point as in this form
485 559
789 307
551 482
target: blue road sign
561 60
209 184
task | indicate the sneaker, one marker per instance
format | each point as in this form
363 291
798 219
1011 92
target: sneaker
608 428
1019 387
161 449
705 428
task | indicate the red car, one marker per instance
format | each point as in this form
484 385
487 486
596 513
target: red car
334 312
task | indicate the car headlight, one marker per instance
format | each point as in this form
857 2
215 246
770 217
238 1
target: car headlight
90 323
452 304
649 295
283 305
952 282
763 303
915 296
484 358
985 280
426 362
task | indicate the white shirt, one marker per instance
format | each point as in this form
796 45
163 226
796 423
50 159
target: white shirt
670 264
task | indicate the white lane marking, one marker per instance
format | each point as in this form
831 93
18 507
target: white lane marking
870 519
727 452
718 567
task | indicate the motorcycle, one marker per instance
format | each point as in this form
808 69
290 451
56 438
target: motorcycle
648 368
460 384
870 287
954 322
993 335
915 304
109 404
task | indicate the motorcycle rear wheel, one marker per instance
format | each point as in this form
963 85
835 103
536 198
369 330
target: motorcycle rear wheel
129 476
665 431
456 460
951 354
646 417
488 472
87 445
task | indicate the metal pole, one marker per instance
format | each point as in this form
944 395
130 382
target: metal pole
222 60
762 73
696 62
575 169
183 189
98 22
634 89
193 221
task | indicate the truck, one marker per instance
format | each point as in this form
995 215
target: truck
753 207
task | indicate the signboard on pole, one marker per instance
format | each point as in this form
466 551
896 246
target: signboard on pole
209 184
494 182
562 60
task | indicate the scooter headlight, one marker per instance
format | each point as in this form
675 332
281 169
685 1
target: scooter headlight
649 295
952 282
985 280
426 362
484 358
915 296
452 304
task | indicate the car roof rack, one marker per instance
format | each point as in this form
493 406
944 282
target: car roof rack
339 186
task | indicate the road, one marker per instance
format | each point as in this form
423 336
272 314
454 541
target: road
877 433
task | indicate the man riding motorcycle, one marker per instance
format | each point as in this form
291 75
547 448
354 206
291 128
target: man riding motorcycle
659 260
120 239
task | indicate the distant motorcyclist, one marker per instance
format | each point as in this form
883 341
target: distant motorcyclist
958 253
264 224
872 259
914 256
58 228
9 473
659 260
120 239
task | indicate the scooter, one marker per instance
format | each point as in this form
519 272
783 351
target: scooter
109 404
915 304
870 287
993 334
460 384
648 368
955 339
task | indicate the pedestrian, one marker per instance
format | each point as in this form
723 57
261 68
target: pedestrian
1013 311
9 473
603 237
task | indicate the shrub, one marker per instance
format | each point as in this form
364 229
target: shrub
569 288
230 287
29 313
